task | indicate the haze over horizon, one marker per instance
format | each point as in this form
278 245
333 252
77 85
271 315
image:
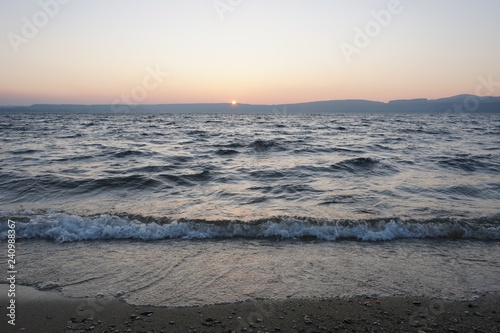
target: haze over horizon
254 52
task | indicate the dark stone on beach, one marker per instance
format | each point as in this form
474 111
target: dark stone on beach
417 303
147 313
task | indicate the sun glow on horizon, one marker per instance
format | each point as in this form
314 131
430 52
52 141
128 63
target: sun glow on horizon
169 52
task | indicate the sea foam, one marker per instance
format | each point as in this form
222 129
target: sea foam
62 227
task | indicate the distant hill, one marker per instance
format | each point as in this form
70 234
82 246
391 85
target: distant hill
455 104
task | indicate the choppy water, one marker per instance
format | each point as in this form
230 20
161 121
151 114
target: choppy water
241 185
390 176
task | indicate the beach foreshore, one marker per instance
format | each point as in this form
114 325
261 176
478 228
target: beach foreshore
48 311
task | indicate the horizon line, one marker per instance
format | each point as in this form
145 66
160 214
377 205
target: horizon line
256 104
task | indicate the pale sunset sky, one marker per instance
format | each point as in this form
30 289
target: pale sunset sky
251 51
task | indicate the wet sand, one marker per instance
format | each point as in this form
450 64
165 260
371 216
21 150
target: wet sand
38 311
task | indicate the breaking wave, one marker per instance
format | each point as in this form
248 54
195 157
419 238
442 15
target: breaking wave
62 227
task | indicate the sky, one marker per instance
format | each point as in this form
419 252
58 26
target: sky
249 51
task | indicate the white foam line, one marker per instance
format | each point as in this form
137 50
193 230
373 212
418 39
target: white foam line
63 227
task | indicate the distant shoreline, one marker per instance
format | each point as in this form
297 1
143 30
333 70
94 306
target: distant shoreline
452 105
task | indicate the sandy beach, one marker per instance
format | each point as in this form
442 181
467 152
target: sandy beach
44 311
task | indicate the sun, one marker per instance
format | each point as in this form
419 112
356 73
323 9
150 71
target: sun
233 102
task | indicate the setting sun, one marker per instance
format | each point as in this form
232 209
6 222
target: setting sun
233 103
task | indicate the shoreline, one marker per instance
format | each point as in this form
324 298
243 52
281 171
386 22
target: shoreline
46 311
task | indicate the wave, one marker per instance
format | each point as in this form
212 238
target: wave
359 162
224 152
129 152
24 151
263 145
363 165
142 178
231 145
470 163
62 227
